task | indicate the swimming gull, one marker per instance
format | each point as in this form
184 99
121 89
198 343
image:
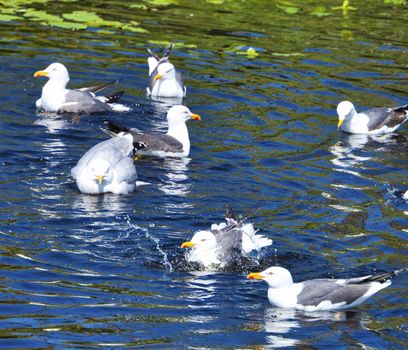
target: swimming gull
164 80
372 121
175 143
320 294
225 243
107 167
57 98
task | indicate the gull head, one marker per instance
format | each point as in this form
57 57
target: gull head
202 240
55 71
275 276
165 70
345 109
101 171
179 115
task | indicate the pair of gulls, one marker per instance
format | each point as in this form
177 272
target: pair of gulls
218 247
108 166
164 81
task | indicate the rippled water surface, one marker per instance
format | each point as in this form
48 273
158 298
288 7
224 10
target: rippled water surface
80 271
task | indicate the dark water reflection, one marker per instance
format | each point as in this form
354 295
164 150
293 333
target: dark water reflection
82 271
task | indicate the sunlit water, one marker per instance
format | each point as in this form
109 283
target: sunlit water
81 271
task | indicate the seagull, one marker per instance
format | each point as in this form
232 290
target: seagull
372 121
224 243
175 143
164 80
107 167
320 294
57 98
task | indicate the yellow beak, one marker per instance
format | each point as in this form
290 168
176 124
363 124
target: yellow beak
157 76
187 245
195 117
41 73
255 276
339 123
100 179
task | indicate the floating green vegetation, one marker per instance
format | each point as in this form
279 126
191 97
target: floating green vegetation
289 7
76 20
320 11
345 7
395 2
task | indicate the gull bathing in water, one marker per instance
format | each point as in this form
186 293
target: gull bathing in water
175 143
224 243
107 167
372 121
57 98
164 80
320 294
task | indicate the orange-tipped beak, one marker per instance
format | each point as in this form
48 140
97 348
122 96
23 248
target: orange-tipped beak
157 76
255 276
187 245
195 117
100 179
41 73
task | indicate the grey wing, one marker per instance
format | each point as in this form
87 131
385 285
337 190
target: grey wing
151 78
123 144
82 102
229 243
180 81
158 142
125 171
379 117
316 291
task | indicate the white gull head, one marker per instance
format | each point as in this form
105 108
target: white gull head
345 111
275 276
55 71
101 171
177 116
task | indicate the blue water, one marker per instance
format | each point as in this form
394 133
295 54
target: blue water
80 271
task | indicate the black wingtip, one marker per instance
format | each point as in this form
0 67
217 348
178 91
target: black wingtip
152 54
229 213
139 145
168 51
115 128
114 97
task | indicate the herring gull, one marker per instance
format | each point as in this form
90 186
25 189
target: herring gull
164 80
223 244
175 143
107 167
320 294
57 98
372 121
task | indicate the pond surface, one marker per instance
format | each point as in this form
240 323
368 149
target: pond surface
82 272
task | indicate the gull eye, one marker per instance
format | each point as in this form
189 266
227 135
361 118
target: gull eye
203 240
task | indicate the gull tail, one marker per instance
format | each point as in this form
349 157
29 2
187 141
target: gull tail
113 128
113 97
97 88
382 277
168 51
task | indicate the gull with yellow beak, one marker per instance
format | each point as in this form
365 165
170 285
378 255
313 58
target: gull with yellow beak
107 167
164 80
57 98
320 294
372 121
224 244
175 143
